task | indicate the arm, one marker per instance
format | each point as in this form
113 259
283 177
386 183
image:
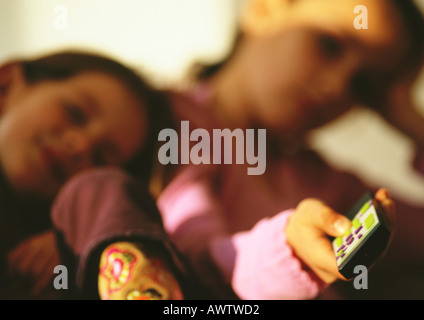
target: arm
299 261
266 265
130 271
404 116
102 207
36 258
400 110
258 264
193 221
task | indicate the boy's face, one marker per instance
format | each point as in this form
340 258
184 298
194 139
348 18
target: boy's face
316 64
51 130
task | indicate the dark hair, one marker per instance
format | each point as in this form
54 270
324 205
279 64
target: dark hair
201 71
63 65
412 18
414 22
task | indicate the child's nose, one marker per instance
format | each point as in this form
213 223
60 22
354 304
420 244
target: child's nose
79 146
335 82
334 86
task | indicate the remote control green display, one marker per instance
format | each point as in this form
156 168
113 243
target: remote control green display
366 240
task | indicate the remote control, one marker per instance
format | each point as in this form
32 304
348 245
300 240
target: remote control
367 238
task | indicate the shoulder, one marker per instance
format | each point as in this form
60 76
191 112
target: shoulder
194 104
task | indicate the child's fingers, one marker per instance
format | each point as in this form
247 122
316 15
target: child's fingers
308 233
327 220
333 223
384 198
19 259
43 273
34 257
323 261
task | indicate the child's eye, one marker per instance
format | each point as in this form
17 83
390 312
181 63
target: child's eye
75 113
330 46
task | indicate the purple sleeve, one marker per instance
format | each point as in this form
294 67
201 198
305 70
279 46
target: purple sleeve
100 206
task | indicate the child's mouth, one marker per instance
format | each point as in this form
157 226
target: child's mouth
51 161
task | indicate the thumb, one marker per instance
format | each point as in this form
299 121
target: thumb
332 223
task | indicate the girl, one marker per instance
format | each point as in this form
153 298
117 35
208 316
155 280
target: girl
63 114
298 65
106 226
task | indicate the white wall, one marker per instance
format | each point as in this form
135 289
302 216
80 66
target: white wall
163 37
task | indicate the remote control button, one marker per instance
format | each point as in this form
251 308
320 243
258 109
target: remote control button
369 221
359 229
365 207
356 223
339 241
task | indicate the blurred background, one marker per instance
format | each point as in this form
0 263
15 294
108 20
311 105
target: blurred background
162 38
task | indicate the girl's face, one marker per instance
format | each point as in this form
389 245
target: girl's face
51 130
317 64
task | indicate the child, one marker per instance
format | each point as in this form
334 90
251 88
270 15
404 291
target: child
308 68
109 235
63 114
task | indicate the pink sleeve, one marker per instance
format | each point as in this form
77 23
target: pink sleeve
193 220
257 264
265 266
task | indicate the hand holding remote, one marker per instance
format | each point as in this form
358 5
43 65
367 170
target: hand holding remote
368 238
308 232
310 226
